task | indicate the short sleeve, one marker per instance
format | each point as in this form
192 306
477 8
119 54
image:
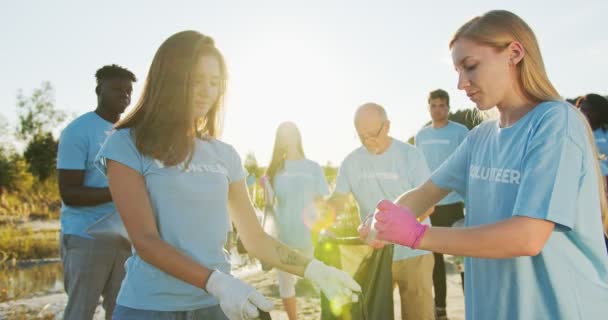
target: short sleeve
419 169
551 173
343 184
120 147
452 174
322 187
417 139
236 171
72 150
463 134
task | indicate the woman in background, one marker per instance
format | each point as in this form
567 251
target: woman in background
595 108
292 184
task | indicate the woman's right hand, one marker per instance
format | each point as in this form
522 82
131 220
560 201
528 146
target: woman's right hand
238 300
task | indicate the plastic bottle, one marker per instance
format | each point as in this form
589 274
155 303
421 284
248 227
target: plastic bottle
371 236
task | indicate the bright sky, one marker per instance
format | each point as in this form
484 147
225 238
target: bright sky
311 62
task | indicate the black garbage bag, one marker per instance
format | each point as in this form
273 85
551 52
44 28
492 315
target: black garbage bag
370 268
264 315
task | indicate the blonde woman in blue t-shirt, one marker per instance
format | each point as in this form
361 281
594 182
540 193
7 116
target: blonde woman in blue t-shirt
532 186
293 183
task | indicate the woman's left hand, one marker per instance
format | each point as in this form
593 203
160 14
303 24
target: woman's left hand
398 225
337 285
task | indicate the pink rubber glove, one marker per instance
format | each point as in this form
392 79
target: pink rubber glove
398 225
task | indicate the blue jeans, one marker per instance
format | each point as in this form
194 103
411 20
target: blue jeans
209 313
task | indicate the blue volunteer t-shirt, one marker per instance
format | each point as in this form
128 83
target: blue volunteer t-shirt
374 177
541 167
437 144
295 188
601 141
190 205
78 145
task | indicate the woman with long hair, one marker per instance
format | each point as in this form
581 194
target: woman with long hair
175 184
595 108
531 180
293 184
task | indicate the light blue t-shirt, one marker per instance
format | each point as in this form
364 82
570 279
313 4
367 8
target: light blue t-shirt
295 188
78 145
541 167
190 205
371 178
601 141
437 144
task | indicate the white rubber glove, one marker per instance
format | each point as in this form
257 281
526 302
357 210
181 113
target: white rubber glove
238 300
337 285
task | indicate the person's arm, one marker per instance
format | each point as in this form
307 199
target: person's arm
420 202
427 213
129 192
514 237
333 282
72 158
422 199
255 240
74 193
517 236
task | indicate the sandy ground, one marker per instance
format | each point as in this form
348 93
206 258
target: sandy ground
51 304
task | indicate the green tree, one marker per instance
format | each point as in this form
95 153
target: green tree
14 170
37 112
5 138
251 165
14 174
467 117
331 172
37 118
41 155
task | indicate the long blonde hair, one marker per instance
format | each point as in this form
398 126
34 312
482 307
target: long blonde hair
163 121
498 29
279 152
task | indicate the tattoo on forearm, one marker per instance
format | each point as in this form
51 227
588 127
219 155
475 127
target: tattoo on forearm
290 257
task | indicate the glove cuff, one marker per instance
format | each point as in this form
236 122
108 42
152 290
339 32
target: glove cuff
213 282
310 268
420 235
